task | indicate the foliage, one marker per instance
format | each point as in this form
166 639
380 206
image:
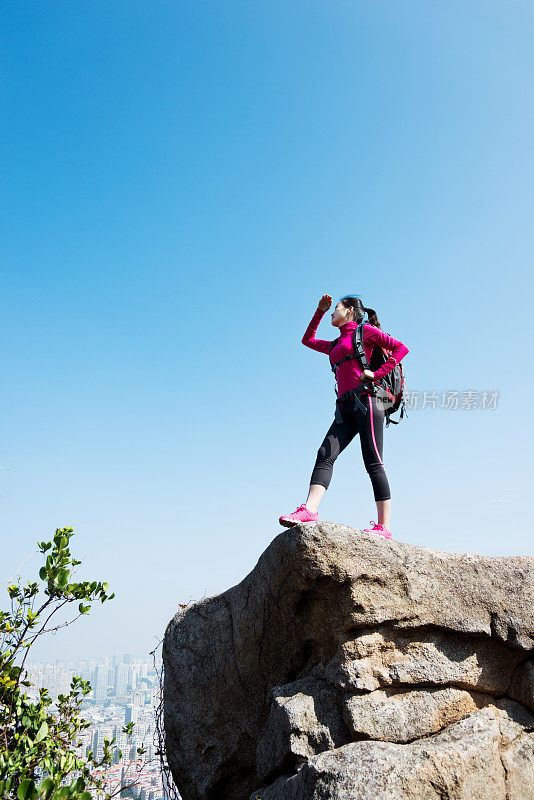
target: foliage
37 747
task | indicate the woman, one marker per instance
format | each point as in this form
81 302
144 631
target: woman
364 415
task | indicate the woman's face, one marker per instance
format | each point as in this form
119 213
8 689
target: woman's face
341 315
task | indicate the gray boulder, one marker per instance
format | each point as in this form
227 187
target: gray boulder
476 758
345 665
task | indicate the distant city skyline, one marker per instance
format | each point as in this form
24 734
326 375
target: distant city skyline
112 660
125 691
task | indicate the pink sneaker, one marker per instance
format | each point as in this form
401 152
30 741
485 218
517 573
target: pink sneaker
300 515
381 530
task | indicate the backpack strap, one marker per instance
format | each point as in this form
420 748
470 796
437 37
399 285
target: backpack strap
396 421
357 342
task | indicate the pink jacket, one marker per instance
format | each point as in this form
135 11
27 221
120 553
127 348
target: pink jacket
348 373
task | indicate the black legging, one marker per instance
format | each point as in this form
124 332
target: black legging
370 426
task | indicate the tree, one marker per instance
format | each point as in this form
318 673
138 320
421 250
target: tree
37 747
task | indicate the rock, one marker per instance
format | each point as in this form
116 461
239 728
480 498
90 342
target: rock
347 663
388 657
463 762
402 716
522 684
305 718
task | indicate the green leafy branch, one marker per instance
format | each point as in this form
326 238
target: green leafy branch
33 741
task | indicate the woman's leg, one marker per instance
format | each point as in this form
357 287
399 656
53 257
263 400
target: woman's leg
371 428
315 495
337 438
383 509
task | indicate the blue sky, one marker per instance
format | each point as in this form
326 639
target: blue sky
181 182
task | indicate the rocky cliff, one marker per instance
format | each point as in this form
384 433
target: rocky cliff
351 667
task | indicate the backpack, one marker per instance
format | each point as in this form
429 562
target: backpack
388 389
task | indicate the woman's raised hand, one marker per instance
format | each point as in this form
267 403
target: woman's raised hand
325 302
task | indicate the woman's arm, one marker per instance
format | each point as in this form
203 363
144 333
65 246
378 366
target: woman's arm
321 345
398 349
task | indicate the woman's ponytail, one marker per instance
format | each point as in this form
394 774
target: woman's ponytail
372 317
360 310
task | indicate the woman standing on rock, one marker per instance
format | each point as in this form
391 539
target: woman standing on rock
359 412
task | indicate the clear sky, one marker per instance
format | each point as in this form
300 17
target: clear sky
181 182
